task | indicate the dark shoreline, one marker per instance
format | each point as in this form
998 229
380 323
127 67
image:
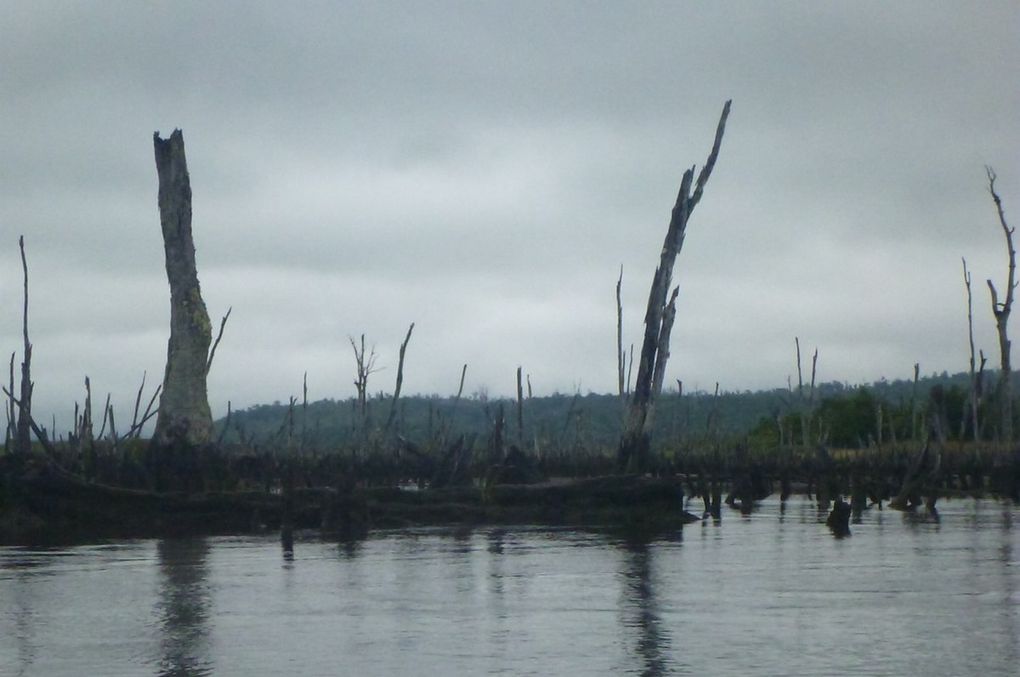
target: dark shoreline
49 509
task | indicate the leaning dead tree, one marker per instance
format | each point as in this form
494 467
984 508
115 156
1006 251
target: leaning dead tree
184 414
1001 312
400 378
636 438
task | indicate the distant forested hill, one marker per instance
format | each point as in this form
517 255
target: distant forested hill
592 421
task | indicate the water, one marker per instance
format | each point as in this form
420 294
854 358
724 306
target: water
769 594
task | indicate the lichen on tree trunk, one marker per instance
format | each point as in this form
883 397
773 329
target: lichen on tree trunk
184 415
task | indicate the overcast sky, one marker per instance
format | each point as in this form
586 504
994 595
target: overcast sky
483 170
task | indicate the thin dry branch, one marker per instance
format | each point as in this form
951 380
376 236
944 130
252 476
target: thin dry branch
136 430
138 401
216 343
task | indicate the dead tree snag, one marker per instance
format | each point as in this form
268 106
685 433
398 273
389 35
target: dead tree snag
619 341
974 398
400 379
634 443
184 414
1001 312
23 435
364 365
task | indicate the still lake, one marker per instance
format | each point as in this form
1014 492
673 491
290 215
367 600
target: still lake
773 593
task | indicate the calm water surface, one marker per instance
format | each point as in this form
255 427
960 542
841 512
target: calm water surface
773 593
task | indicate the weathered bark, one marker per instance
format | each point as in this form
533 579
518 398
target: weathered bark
184 415
659 375
635 440
1001 312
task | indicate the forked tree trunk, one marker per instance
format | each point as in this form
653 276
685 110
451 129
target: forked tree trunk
184 415
635 441
1001 312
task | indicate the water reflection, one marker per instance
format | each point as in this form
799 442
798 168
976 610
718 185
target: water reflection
640 608
183 607
1010 596
24 622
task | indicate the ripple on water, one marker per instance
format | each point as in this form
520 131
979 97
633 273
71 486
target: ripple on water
769 593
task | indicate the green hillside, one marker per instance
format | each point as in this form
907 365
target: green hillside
593 421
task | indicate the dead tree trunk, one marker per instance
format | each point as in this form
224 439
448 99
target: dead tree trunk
913 403
635 441
23 436
400 379
520 409
620 356
975 389
1001 312
184 415
364 365
805 405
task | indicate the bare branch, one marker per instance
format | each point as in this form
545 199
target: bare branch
138 401
216 343
463 373
147 415
106 414
706 171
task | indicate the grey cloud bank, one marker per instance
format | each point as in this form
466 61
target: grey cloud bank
483 169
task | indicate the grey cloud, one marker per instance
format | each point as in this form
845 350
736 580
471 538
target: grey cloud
483 169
